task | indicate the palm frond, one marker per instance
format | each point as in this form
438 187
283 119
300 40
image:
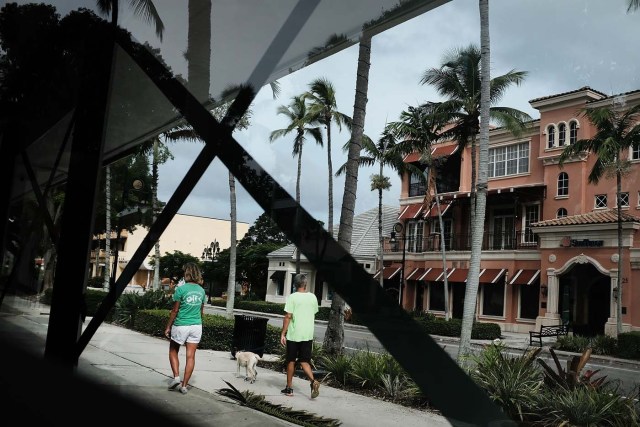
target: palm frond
259 403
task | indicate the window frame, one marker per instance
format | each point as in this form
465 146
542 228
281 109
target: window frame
561 213
551 136
562 189
600 201
505 158
562 134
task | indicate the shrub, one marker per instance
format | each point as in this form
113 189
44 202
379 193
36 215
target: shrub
629 345
584 406
511 381
339 367
95 282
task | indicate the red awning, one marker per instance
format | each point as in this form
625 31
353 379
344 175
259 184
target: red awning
524 277
443 150
436 152
389 272
411 211
457 275
416 273
411 158
431 275
433 212
491 275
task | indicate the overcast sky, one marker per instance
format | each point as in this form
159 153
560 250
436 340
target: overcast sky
562 44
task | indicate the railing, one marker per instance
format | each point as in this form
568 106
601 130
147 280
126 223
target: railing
462 242
417 189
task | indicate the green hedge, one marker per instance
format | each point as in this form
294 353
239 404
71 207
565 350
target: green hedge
629 345
453 328
92 298
217 331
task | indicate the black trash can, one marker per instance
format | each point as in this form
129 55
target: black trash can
249 334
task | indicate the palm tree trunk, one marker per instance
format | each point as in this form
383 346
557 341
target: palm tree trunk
471 291
330 169
154 202
619 280
231 284
334 335
107 233
380 238
298 200
443 248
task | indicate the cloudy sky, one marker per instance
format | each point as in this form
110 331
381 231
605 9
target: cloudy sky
562 45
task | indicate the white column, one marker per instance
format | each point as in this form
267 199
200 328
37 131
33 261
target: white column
611 327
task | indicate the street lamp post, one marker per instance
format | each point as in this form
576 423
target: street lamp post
210 253
398 227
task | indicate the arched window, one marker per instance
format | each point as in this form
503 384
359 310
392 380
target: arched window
563 184
551 136
562 134
562 212
573 132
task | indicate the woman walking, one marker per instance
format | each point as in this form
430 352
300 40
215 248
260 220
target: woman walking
185 324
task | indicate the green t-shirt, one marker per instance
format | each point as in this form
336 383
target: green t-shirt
191 297
303 306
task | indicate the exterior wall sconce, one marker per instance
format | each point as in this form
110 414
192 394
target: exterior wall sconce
615 293
544 290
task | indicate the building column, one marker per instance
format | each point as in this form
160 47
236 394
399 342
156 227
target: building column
551 317
611 327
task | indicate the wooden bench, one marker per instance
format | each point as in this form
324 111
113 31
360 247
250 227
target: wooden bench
548 331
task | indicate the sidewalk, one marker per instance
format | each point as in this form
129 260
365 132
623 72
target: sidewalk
135 368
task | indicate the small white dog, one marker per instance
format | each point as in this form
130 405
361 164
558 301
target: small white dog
249 360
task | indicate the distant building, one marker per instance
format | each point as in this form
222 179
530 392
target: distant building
364 248
188 234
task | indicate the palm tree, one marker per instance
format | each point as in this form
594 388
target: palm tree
323 109
617 131
458 79
147 10
477 229
385 154
299 123
334 335
417 129
633 5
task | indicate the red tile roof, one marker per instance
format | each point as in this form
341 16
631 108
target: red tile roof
567 93
596 217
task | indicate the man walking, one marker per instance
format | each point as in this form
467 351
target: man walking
297 333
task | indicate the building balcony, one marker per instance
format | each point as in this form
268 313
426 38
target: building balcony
462 242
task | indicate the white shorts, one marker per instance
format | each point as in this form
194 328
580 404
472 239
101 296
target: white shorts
191 334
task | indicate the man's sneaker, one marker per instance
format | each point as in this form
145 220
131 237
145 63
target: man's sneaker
315 389
288 391
173 384
183 390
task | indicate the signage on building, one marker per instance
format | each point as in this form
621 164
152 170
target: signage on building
568 242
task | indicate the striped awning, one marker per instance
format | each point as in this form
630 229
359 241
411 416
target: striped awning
524 277
411 211
416 273
457 275
388 272
432 275
433 212
491 275
436 152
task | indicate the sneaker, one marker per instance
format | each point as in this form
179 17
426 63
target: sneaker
315 389
173 384
183 390
288 391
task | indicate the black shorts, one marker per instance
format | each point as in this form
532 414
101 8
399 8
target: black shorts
300 350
